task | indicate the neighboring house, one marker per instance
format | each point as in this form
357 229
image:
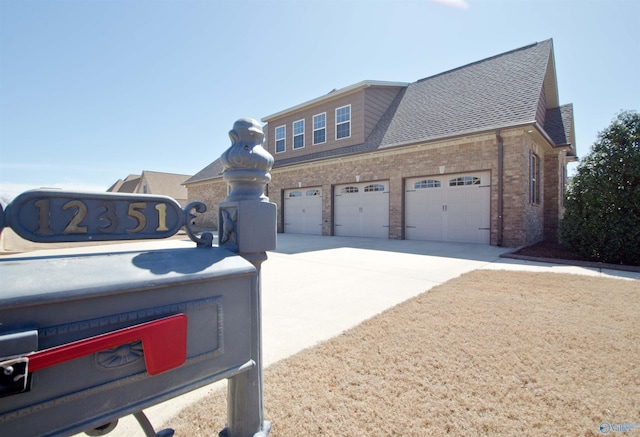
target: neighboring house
475 154
153 182
128 185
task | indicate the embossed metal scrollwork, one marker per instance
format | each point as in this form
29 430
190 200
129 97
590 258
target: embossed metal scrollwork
206 238
228 225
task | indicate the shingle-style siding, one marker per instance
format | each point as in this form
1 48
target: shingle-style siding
356 100
542 108
377 101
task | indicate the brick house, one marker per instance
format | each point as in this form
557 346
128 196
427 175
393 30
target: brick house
154 182
475 154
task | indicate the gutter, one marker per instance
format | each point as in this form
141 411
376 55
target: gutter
500 185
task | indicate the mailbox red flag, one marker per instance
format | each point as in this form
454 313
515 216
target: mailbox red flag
164 342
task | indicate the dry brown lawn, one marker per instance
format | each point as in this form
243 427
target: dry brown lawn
488 353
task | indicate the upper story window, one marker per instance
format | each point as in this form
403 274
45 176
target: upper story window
343 122
534 178
298 134
427 183
320 128
281 137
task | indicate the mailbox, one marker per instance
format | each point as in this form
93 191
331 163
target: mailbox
88 338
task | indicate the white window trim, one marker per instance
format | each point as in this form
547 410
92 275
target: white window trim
313 120
275 135
337 109
293 132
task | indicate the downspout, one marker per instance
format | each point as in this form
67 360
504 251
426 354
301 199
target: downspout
500 184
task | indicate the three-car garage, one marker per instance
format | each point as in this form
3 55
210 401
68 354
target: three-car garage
453 208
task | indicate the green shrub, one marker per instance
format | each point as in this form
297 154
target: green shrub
602 216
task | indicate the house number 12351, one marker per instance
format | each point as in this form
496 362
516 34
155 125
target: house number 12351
108 221
55 216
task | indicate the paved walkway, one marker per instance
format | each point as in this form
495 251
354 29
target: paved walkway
316 287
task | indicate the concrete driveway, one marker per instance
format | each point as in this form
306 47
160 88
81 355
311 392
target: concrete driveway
316 287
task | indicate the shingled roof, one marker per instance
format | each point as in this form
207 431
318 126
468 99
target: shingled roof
212 171
558 123
494 93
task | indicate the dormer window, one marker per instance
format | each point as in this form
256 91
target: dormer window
298 134
320 128
281 137
343 122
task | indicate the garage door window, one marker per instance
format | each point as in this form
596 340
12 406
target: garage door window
464 180
373 188
295 194
349 190
313 192
427 183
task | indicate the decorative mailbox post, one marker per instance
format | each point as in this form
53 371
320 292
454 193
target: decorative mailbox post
87 339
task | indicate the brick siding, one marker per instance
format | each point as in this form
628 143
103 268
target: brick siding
523 222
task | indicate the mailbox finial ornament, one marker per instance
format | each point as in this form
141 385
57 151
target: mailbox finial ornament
246 163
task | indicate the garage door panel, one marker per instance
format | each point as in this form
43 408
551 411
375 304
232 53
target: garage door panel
451 208
362 210
303 211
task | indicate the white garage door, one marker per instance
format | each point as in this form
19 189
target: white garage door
362 210
449 208
303 211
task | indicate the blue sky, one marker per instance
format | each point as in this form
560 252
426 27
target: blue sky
94 90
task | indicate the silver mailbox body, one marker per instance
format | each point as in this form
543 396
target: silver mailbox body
201 297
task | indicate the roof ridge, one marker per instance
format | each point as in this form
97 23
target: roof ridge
164 173
528 46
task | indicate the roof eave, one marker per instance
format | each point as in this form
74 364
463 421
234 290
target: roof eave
485 130
333 95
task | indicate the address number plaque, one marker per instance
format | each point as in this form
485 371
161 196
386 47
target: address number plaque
48 216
